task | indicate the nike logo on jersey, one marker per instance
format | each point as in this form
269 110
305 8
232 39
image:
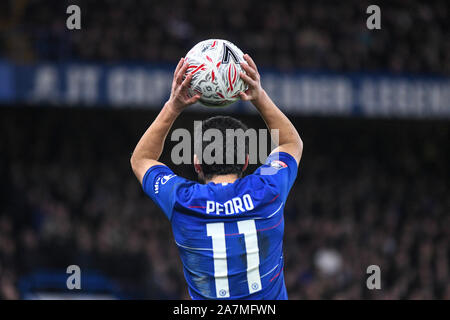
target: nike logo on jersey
233 206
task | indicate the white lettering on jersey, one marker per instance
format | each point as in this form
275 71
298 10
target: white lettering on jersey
210 206
219 208
233 206
229 209
277 164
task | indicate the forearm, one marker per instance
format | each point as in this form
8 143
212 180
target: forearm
150 146
275 119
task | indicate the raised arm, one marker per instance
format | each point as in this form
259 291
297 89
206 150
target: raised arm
150 146
289 139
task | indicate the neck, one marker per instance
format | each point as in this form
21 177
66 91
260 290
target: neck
229 178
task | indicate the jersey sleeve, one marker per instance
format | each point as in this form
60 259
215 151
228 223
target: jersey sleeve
162 185
279 171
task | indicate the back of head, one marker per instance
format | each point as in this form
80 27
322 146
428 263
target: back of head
233 144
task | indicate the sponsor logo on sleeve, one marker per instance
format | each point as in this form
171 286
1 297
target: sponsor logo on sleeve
277 164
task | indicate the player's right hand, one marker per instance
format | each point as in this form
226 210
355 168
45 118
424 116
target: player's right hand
179 96
252 79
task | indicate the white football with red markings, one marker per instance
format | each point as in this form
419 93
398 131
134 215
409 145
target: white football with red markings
216 64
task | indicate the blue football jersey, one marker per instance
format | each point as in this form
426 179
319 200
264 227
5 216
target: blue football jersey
230 236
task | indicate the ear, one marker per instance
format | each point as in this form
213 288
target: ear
246 163
197 165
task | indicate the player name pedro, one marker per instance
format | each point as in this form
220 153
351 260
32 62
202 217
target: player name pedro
226 309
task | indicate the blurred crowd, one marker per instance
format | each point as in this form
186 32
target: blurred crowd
368 193
320 34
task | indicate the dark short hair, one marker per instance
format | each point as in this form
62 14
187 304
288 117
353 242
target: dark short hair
222 123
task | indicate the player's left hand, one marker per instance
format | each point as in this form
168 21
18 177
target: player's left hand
179 96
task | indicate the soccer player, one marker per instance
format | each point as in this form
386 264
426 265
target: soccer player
229 228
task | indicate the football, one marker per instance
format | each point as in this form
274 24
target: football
215 65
